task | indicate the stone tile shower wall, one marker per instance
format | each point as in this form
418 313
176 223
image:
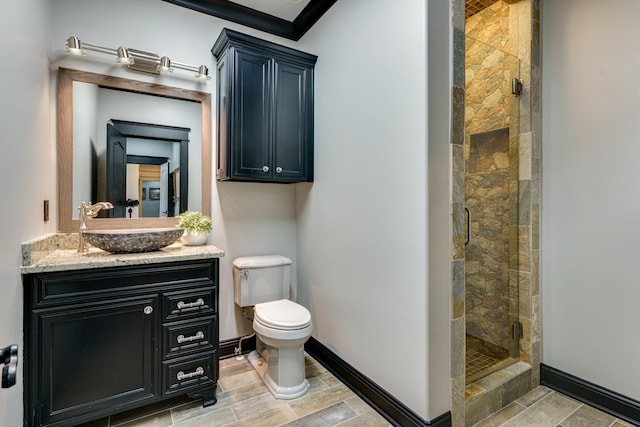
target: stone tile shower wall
487 254
489 68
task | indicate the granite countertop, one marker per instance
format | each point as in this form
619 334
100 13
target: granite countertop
58 252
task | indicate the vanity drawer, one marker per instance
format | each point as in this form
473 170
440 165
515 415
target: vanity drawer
182 338
184 304
65 287
190 372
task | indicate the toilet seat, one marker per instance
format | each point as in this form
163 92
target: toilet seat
283 315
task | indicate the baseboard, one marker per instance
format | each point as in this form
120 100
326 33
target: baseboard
388 406
616 404
228 347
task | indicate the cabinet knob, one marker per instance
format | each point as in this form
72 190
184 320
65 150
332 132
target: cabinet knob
148 310
278 169
265 169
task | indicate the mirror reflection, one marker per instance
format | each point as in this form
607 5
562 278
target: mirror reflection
160 166
132 149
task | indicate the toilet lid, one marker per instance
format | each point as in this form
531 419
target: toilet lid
282 314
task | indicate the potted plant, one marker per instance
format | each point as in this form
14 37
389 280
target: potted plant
196 227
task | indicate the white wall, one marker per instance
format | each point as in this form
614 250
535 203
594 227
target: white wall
26 178
590 191
362 236
248 219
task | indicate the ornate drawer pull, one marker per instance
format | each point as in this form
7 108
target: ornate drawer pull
182 376
197 303
198 336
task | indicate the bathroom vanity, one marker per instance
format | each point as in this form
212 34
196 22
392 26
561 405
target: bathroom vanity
105 333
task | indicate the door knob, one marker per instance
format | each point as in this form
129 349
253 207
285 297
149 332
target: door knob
265 169
9 357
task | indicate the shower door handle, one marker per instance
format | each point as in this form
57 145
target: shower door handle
468 240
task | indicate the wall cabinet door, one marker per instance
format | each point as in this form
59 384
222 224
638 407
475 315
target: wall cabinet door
250 151
292 122
96 356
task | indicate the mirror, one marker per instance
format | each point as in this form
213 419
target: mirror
165 166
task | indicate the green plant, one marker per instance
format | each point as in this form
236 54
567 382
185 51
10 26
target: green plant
195 222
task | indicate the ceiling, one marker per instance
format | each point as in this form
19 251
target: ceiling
285 18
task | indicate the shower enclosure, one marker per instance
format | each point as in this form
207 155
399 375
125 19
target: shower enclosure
491 195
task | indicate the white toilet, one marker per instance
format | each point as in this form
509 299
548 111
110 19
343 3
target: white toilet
282 326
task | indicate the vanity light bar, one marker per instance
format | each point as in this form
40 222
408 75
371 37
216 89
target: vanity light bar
136 59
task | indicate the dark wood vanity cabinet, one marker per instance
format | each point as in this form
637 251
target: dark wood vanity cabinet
265 110
101 341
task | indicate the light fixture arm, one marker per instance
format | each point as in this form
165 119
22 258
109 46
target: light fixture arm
186 67
98 48
128 56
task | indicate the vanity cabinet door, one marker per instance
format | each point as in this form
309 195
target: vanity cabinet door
95 357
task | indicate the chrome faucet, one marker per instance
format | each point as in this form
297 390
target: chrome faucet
88 211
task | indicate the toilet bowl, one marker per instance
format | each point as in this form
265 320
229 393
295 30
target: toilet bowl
281 325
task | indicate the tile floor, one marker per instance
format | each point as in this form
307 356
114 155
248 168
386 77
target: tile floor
243 400
543 407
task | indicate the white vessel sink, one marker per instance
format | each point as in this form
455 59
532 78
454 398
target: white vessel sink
133 240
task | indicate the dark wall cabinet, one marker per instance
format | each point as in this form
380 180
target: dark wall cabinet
102 341
265 110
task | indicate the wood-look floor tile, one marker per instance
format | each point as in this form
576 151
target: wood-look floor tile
313 402
244 400
329 379
256 405
620 423
369 418
239 380
358 405
316 385
195 409
244 392
533 396
230 367
271 418
327 417
314 370
548 412
224 416
587 416
502 416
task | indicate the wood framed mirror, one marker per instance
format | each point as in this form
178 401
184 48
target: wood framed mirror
67 221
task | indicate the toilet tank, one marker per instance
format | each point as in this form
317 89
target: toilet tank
258 279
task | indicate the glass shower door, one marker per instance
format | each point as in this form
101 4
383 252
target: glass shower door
491 208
